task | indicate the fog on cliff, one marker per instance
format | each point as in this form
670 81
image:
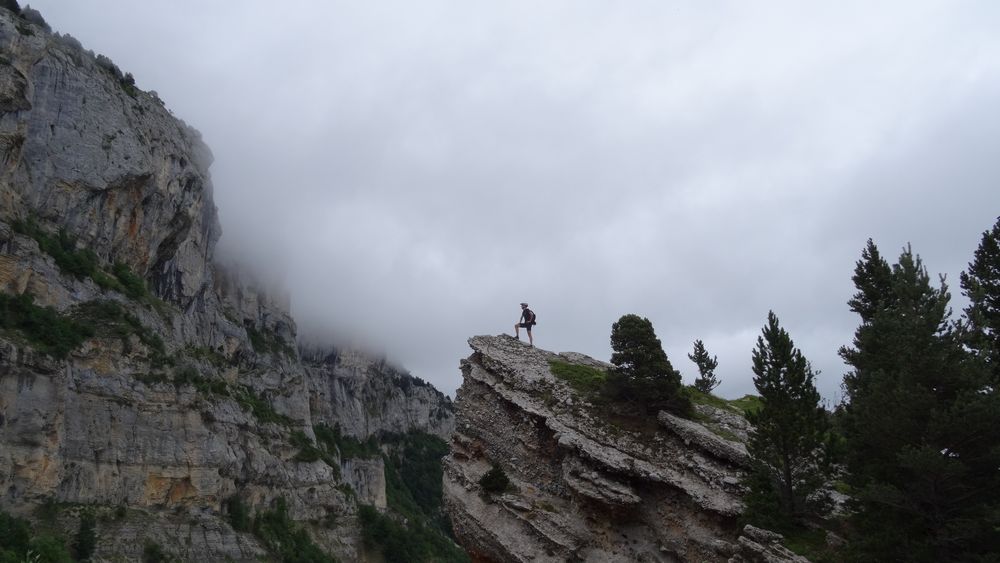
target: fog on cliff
411 171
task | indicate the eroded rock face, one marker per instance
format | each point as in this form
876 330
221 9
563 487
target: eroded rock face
167 432
582 489
107 163
366 396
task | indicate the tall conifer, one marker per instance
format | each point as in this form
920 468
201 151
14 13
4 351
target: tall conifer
981 285
921 432
786 446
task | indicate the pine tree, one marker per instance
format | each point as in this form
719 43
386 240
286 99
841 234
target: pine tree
643 375
787 444
921 430
706 368
981 285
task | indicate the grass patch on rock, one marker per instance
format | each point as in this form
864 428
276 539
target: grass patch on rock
747 403
584 379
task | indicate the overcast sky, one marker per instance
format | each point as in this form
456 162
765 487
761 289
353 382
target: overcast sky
411 171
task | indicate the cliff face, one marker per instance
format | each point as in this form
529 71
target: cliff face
366 396
585 487
188 388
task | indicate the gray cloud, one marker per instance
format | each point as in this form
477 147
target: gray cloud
413 171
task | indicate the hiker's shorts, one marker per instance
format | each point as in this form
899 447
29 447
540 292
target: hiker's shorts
525 325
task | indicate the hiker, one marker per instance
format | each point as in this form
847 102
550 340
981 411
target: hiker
527 319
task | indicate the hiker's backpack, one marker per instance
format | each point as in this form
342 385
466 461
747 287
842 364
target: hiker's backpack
534 318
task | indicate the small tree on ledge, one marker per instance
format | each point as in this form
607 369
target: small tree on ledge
642 374
706 368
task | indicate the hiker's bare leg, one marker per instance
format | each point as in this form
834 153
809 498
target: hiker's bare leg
531 341
517 331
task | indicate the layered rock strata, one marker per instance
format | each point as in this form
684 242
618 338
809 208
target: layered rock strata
190 393
584 487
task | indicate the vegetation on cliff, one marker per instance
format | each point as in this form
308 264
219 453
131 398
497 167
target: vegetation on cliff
20 541
415 527
44 328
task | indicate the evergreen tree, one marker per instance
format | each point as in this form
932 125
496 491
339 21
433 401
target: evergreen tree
706 368
786 446
981 285
642 374
920 425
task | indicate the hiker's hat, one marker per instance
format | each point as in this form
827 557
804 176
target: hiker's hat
524 304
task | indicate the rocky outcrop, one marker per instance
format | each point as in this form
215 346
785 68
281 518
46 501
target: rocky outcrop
763 546
583 486
183 397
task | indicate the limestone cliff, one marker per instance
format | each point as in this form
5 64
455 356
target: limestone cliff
585 486
186 390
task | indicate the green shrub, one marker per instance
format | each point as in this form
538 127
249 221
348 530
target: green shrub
189 375
61 247
48 331
152 552
494 480
15 535
133 285
308 451
18 542
584 379
349 447
265 341
259 406
239 514
49 549
105 281
207 354
286 540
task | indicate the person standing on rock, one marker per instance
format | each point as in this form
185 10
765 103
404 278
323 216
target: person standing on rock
526 322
